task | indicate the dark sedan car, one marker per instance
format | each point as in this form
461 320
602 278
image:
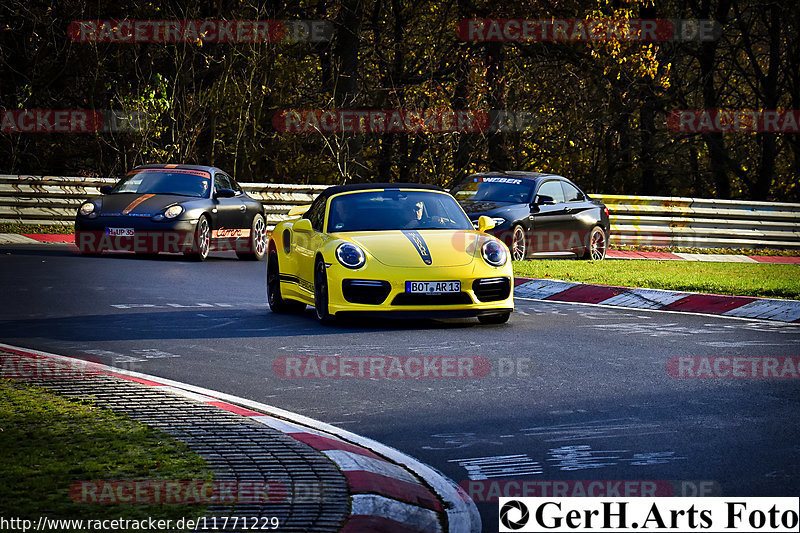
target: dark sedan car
173 208
537 215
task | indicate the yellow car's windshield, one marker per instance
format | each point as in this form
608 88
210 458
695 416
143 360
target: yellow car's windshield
394 209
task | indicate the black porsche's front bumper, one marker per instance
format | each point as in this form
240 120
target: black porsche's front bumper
94 235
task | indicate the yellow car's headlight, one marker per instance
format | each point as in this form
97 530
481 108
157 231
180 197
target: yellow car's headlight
350 255
494 253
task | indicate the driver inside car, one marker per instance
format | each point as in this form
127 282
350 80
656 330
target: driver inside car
340 218
421 217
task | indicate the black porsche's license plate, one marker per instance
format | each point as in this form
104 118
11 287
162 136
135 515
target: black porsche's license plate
120 232
432 287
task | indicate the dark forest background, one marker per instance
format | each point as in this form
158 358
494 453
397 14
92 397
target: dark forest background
600 107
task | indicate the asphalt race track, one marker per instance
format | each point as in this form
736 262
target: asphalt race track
576 392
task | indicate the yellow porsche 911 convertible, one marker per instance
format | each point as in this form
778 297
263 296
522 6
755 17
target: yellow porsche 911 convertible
402 249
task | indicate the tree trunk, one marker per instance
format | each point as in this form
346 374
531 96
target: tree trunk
498 159
345 94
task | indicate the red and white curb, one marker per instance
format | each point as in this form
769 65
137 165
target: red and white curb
33 238
660 300
709 258
389 490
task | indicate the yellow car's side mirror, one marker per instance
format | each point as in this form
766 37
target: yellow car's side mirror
303 226
485 223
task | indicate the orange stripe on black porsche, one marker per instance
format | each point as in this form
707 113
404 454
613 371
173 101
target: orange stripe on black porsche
133 204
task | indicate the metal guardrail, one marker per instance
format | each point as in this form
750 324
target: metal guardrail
55 199
635 220
702 223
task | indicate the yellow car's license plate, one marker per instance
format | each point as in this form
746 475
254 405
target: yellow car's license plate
432 287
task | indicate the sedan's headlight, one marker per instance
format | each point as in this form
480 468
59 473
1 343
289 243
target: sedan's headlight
494 253
350 255
173 211
87 209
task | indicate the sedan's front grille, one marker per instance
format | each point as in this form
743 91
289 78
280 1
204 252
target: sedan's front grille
365 291
491 289
455 298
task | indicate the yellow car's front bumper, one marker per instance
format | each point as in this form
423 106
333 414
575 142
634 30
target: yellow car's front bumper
485 290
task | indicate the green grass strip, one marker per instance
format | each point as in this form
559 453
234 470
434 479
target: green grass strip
60 229
723 251
48 442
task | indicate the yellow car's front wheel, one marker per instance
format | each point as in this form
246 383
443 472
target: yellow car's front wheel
321 292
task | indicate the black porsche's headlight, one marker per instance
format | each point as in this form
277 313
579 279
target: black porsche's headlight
88 209
350 255
169 213
173 211
494 253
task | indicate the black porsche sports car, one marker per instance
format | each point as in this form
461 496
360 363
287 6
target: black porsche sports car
537 215
173 208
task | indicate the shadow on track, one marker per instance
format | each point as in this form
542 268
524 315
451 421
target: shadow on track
60 250
201 323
